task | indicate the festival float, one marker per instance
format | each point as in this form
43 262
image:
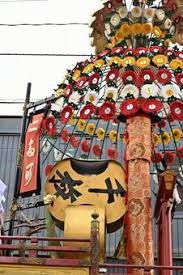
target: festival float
101 159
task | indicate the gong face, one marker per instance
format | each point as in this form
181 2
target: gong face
104 190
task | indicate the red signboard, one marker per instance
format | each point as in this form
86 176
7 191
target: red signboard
29 182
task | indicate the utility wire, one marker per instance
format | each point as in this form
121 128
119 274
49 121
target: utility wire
44 24
45 54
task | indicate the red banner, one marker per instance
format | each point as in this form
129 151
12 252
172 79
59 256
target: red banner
29 182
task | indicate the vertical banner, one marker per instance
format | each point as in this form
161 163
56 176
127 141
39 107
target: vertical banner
30 166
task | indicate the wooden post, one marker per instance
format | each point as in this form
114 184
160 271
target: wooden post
163 215
34 243
19 160
139 215
94 252
165 239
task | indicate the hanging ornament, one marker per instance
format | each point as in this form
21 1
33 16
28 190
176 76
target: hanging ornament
85 146
97 150
149 90
164 76
107 110
129 107
177 110
157 157
151 106
66 114
87 111
91 97
111 93
74 141
64 135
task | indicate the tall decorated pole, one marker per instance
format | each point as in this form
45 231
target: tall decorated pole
139 221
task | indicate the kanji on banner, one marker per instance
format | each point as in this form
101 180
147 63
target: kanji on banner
30 168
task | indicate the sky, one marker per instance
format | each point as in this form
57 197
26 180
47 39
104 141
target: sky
44 72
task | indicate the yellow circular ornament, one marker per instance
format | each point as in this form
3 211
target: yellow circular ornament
160 60
147 28
181 64
143 62
119 36
88 68
157 31
177 134
76 75
136 29
174 64
99 63
156 139
59 92
129 60
165 138
125 30
114 135
100 132
90 129
117 60
73 120
81 124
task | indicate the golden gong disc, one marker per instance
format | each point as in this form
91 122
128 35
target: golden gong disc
98 183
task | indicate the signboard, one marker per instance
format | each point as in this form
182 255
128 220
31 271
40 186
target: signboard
29 182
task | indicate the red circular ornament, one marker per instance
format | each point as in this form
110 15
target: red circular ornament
52 132
118 50
87 111
141 50
168 52
179 79
129 51
176 109
162 123
156 49
164 76
66 114
112 75
64 135
85 146
129 107
97 150
151 106
156 157
94 79
68 90
107 110
179 54
74 141
81 82
146 75
169 157
129 76
112 153
49 123
180 152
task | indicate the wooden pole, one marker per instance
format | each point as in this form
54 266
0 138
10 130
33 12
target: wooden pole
19 160
163 214
94 251
139 215
165 238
